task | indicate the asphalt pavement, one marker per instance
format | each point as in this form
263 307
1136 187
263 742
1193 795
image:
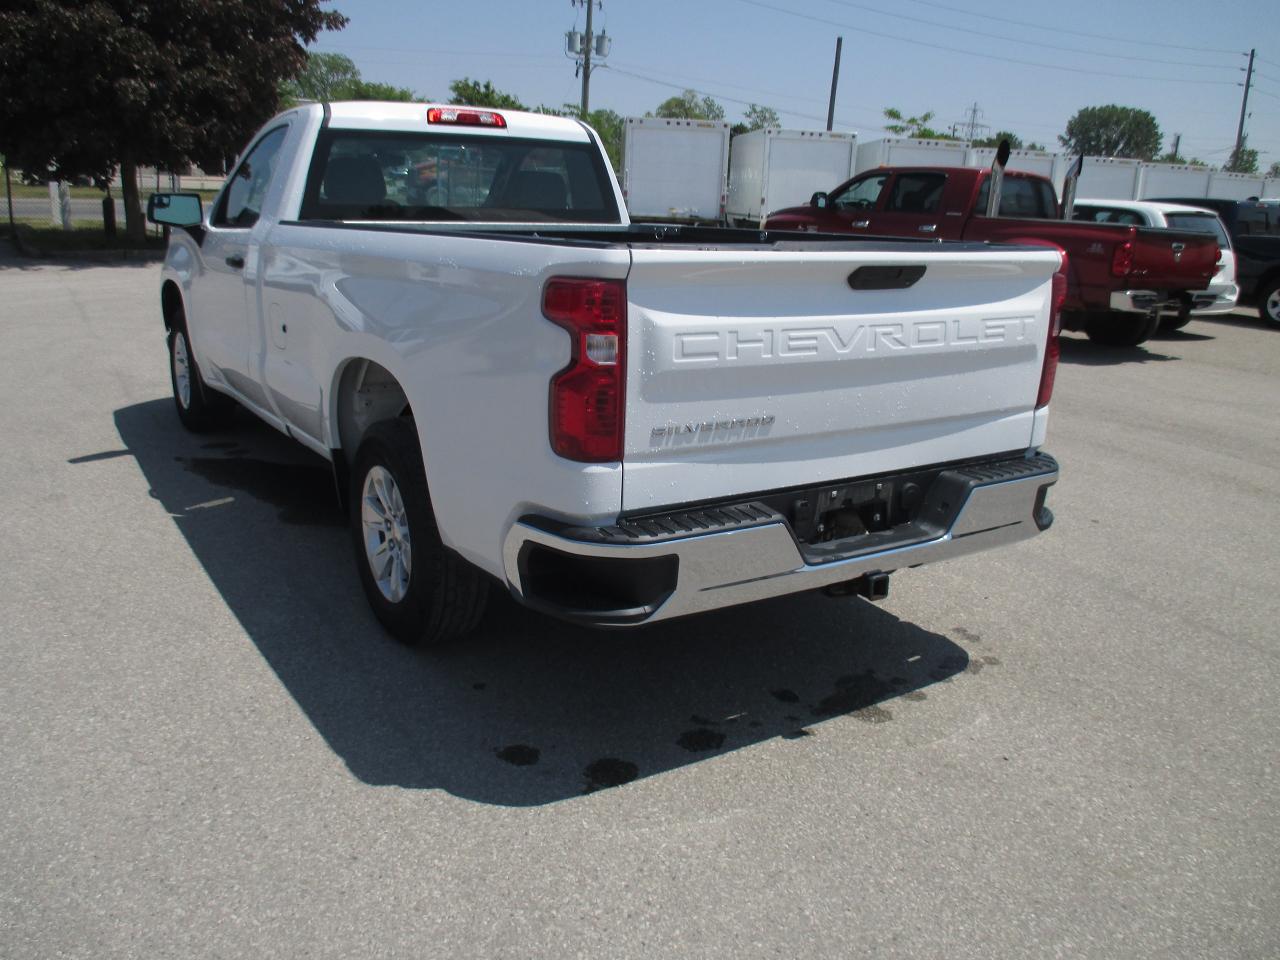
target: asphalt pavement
1067 748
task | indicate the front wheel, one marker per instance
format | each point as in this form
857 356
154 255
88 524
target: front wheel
421 591
1114 329
199 408
1269 303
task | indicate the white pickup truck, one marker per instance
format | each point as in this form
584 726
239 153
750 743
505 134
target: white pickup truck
620 423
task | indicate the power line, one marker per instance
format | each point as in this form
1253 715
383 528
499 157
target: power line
774 94
1031 43
720 96
1078 33
972 53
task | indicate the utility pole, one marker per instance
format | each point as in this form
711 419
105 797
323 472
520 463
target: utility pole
581 47
586 62
1177 142
835 79
1248 80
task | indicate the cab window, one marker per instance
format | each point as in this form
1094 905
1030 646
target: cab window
861 194
916 193
241 202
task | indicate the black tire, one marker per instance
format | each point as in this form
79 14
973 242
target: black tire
1176 322
445 595
1269 303
199 408
1114 329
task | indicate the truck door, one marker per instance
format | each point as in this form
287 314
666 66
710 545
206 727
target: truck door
912 206
224 294
852 207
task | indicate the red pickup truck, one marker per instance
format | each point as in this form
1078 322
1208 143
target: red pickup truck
1120 278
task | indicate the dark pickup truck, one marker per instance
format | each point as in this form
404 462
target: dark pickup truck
1254 227
1120 277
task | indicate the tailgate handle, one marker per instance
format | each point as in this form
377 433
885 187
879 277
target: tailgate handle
885 277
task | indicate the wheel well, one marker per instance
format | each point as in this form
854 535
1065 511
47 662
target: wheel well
170 302
367 393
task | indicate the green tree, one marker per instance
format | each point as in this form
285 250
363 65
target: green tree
473 93
92 87
324 76
1112 131
689 106
373 90
1036 146
1274 169
609 125
1243 160
905 126
1015 141
758 117
333 76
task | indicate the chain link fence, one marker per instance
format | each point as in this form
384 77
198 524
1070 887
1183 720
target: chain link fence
42 204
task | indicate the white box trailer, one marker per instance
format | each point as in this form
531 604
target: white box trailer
675 169
1046 164
1235 186
1271 188
908 152
770 169
1174 180
1109 178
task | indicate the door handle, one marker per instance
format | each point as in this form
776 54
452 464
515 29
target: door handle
862 223
928 227
236 262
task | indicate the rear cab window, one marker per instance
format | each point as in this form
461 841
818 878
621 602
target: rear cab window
1198 223
1024 198
373 175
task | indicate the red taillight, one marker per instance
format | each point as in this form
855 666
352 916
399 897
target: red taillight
1052 348
587 396
466 118
1122 259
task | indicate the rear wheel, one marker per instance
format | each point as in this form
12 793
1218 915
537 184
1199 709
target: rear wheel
421 591
1114 329
1177 321
1269 303
199 408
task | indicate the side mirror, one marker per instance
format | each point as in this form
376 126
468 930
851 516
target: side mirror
819 200
175 209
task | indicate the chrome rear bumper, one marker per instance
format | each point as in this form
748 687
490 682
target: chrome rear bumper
760 557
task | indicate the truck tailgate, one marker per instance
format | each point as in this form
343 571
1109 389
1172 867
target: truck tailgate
1172 259
757 369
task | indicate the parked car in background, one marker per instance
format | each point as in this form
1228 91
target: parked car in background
1119 277
1254 227
1221 294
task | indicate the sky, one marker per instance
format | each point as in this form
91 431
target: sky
1028 66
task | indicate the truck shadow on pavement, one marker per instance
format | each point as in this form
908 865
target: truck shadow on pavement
531 710
1083 352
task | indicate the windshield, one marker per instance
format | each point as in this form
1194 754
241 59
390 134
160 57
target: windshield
1198 223
373 175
